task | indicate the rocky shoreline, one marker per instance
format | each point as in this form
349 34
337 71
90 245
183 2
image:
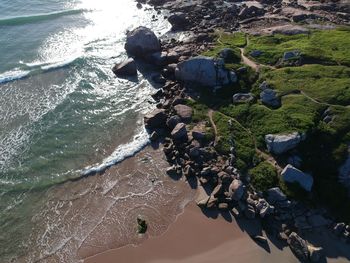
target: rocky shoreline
188 147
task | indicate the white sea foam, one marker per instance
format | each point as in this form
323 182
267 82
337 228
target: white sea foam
123 151
12 75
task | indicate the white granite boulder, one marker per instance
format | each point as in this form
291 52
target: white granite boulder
290 174
204 71
281 143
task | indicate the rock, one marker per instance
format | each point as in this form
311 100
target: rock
198 134
141 225
179 132
290 174
229 55
188 171
205 71
264 86
236 190
223 206
298 246
235 212
141 41
126 68
275 195
318 221
260 239
178 21
295 160
316 254
255 53
249 212
251 11
184 112
202 197
155 119
287 30
291 55
173 121
281 143
154 136
339 228
269 97
172 171
243 98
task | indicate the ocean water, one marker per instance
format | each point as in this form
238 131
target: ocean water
62 111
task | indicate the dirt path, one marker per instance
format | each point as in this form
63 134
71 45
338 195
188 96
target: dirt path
210 115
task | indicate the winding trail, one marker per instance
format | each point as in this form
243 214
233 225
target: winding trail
210 115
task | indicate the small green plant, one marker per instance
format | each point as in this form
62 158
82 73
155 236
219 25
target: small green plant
263 176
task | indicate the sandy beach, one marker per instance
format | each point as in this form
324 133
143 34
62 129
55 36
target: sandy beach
194 238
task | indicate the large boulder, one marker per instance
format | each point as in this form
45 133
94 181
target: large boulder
184 112
126 68
178 21
142 41
236 190
281 143
155 119
204 71
298 246
179 132
290 174
269 97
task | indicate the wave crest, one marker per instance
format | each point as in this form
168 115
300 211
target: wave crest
22 20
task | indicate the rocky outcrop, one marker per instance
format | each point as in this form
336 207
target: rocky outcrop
236 190
142 41
242 98
179 132
126 68
298 246
281 143
184 112
269 97
205 71
155 119
291 174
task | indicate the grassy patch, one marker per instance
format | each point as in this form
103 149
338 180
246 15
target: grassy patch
232 134
326 46
296 114
263 176
329 84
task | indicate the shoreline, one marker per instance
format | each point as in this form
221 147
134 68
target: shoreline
224 241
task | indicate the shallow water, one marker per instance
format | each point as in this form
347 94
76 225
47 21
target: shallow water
61 109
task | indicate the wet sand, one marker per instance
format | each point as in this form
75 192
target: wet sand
197 238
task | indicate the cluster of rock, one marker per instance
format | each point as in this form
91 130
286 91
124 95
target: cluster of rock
205 15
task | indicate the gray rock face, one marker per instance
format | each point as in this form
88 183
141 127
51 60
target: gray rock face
204 71
281 143
179 132
236 190
298 246
178 21
242 98
269 97
155 119
291 55
291 174
184 112
142 41
173 121
251 11
126 68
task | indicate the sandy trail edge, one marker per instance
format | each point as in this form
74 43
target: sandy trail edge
196 238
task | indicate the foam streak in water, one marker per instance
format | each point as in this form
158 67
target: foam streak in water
123 151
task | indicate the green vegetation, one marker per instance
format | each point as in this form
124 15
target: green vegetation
296 114
306 92
233 41
231 133
320 46
329 84
263 176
